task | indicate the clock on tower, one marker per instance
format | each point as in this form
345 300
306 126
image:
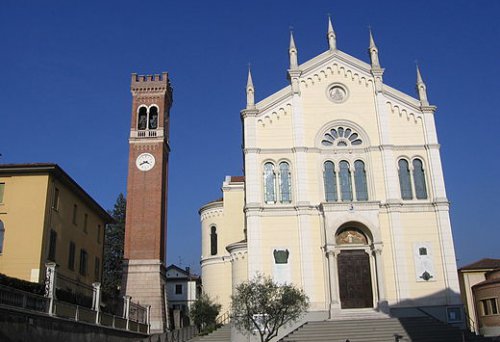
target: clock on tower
146 220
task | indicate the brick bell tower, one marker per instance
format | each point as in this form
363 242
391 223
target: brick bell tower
146 220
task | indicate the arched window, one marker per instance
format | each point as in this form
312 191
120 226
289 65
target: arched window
419 179
285 185
345 181
143 118
213 240
330 179
2 236
153 117
404 179
360 181
269 183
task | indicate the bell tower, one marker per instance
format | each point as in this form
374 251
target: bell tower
146 220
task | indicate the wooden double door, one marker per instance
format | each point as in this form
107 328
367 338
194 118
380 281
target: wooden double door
355 282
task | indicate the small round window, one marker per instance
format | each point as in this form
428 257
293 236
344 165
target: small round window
337 93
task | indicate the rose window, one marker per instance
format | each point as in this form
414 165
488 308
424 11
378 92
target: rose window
342 137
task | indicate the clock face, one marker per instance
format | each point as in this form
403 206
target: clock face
145 161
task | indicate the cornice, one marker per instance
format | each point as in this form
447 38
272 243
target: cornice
249 113
209 208
349 206
347 150
214 260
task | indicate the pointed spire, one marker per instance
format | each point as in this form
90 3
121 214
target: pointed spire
294 65
373 52
332 38
250 90
372 41
419 76
421 89
249 80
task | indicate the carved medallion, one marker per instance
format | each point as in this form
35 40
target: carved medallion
337 93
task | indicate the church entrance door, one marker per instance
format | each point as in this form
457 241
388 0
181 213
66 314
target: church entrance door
355 284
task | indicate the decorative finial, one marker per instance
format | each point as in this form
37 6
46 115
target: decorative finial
292 41
372 41
250 90
373 51
249 80
293 53
421 88
419 75
332 38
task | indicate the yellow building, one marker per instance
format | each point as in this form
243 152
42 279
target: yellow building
471 276
343 195
46 216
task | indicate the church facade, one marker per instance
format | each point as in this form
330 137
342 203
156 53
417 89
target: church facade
343 194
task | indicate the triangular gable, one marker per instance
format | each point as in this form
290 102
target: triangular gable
279 103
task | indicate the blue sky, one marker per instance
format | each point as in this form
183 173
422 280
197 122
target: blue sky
65 94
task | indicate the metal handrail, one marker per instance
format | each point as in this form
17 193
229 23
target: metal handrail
223 318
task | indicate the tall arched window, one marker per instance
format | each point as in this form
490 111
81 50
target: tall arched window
2 236
419 179
360 181
345 181
142 122
404 179
285 184
153 118
330 179
213 240
269 183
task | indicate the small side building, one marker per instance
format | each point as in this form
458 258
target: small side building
183 288
46 216
480 290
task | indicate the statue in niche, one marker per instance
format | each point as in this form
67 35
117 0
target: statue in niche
350 237
153 121
281 256
142 121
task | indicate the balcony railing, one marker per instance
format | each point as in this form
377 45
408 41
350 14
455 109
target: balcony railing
147 133
135 320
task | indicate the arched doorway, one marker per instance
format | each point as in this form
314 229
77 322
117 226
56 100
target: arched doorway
354 270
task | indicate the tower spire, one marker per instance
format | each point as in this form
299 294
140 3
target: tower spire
421 89
292 51
373 51
250 90
332 38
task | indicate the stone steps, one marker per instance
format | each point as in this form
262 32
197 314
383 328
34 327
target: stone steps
419 329
223 334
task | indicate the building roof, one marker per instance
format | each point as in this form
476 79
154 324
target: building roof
56 171
486 263
238 179
492 277
186 273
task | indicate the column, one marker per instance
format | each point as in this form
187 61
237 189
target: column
334 289
50 284
96 300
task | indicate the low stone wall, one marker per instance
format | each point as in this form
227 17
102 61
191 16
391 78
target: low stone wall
18 325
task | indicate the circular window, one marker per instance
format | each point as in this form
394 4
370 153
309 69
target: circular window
337 93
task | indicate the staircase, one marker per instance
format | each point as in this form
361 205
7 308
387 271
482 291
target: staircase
223 334
415 329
